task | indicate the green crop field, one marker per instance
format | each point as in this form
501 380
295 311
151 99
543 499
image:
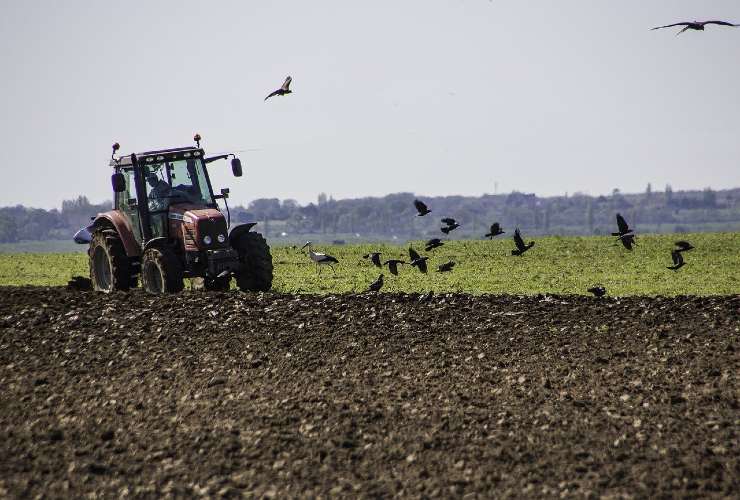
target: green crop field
555 265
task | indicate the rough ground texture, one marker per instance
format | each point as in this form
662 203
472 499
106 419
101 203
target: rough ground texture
373 396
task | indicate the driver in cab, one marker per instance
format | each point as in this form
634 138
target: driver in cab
159 193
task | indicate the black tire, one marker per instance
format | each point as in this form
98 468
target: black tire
256 260
161 271
110 268
217 284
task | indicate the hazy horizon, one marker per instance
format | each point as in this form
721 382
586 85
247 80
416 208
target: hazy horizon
438 98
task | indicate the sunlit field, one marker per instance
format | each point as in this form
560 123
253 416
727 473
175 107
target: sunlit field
567 265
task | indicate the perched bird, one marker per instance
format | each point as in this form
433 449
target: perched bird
622 226
285 89
446 267
432 244
377 284
451 225
519 242
374 258
695 25
417 260
627 240
321 259
597 290
421 208
678 262
683 246
495 230
393 265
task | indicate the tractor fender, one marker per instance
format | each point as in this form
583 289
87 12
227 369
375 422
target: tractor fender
122 226
158 242
239 230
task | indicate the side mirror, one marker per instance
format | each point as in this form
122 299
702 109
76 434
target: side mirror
119 183
224 192
236 167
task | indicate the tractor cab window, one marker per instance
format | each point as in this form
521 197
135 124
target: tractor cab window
187 177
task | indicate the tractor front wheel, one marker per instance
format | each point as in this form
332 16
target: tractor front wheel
161 271
256 260
110 268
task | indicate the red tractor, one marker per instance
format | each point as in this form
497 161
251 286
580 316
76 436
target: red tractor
166 226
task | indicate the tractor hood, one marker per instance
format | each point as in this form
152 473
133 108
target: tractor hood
201 228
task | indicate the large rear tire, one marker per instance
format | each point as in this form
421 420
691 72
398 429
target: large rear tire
256 260
110 268
161 271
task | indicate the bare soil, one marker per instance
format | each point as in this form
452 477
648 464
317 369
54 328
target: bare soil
226 394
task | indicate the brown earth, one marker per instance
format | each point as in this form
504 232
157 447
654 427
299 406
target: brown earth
367 395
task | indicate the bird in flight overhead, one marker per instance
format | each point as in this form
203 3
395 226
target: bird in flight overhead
285 89
519 242
417 260
374 258
495 230
451 225
622 226
695 25
393 265
432 244
421 208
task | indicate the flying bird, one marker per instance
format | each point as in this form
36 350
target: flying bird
446 267
448 221
627 240
285 89
695 25
421 208
597 290
451 225
683 246
495 230
418 261
374 258
678 262
432 244
622 226
321 259
393 265
519 242
377 284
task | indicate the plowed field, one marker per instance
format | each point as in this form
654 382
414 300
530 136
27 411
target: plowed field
367 395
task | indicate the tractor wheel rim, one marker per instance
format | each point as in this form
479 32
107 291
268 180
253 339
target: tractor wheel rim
102 267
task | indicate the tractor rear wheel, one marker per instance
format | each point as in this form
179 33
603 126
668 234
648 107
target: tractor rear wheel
161 271
110 268
256 260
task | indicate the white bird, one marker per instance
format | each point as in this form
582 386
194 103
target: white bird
321 259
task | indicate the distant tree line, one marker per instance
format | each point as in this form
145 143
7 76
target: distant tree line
394 215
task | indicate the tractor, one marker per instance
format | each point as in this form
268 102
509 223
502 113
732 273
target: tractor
166 225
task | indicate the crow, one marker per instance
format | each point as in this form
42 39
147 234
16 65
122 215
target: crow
432 244
597 290
285 89
421 208
393 265
684 246
448 221
418 261
622 226
446 267
377 284
678 262
627 240
495 230
694 25
450 227
374 258
519 242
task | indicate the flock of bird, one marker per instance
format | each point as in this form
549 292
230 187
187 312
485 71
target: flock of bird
625 234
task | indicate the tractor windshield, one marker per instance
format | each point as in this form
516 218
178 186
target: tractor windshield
177 182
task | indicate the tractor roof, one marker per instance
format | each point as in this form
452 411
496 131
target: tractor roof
160 155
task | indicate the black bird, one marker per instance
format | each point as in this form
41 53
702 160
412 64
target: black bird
418 261
393 265
627 240
448 221
694 25
597 290
374 258
451 225
678 262
622 226
495 230
519 242
432 244
285 89
377 284
421 208
683 246
446 267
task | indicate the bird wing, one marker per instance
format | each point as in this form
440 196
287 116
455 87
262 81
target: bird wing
449 221
286 84
683 245
518 241
622 224
677 258
420 206
446 230
422 265
627 242
413 255
721 23
672 25
272 94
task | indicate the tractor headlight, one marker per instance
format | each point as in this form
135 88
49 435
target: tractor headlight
207 240
221 238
